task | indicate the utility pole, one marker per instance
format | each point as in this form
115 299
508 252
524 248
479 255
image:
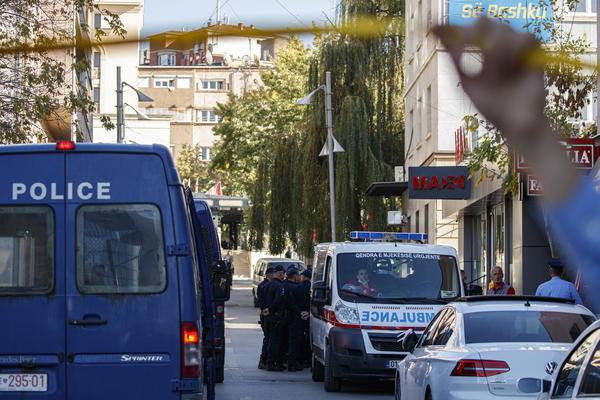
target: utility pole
329 122
218 12
119 107
74 121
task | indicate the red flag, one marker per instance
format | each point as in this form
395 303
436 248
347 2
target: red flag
215 190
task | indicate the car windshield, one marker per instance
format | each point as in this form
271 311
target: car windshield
397 277
524 326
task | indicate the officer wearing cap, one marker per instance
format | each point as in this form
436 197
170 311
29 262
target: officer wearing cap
261 298
274 313
556 286
289 335
300 347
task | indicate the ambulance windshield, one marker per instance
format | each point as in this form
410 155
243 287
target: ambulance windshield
397 277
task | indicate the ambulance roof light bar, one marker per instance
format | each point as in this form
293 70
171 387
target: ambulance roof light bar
387 236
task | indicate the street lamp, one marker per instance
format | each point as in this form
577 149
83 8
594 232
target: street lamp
331 146
141 97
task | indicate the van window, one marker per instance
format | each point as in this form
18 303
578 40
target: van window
26 250
319 268
398 277
120 249
567 376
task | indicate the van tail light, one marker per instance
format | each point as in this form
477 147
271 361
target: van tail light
65 145
190 350
220 310
479 368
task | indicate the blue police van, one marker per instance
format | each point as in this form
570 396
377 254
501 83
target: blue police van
101 292
212 252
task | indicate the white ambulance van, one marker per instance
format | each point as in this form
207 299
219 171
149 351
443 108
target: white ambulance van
367 295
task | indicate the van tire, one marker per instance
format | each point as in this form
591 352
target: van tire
331 383
317 369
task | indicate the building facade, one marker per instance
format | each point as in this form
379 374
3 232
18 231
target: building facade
490 228
137 128
188 73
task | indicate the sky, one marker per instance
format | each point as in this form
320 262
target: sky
162 15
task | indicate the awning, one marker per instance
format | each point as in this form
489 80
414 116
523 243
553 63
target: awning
387 189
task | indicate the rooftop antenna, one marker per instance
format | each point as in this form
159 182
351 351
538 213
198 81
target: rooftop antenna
218 12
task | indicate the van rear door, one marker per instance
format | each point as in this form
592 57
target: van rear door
32 287
123 314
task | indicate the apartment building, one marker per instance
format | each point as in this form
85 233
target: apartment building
490 228
188 73
137 127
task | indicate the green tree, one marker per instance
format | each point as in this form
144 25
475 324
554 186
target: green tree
33 83
193 170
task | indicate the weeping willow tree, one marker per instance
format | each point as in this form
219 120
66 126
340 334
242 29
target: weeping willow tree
368 123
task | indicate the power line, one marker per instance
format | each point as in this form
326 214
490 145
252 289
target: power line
291 13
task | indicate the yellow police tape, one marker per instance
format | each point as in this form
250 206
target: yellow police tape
363 27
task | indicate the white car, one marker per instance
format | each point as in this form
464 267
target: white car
480 347
578 375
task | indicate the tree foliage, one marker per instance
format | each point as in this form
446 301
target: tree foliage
192 169
33 84
271 147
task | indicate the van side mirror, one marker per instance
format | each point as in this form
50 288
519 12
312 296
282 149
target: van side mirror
320 293
474 290
221 279
410 341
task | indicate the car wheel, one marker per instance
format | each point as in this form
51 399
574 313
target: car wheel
397 393
318 371
332 384
428 394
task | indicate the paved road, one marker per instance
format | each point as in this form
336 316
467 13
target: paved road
243 381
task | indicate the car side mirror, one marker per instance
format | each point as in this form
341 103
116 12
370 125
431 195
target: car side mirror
410 341
534 385
221 279
320 293
474 290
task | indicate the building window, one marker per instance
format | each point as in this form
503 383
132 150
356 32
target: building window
96 95
417 222
426 221
184 83
164 82
208 116
428 107
205 153
585 6
97 21
418 124
167 59
211 85
143 82
97 59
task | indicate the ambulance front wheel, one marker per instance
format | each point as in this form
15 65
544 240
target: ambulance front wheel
332 384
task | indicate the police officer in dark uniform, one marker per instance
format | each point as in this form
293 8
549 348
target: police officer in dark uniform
290 283
299 324
261 292
274 313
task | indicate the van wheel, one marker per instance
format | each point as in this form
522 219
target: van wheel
332 384
318 371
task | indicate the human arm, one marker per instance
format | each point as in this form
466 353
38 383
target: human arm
509 92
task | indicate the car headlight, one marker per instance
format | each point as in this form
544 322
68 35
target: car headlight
346 314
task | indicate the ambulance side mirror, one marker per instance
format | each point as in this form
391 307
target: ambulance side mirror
319 293
474 290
